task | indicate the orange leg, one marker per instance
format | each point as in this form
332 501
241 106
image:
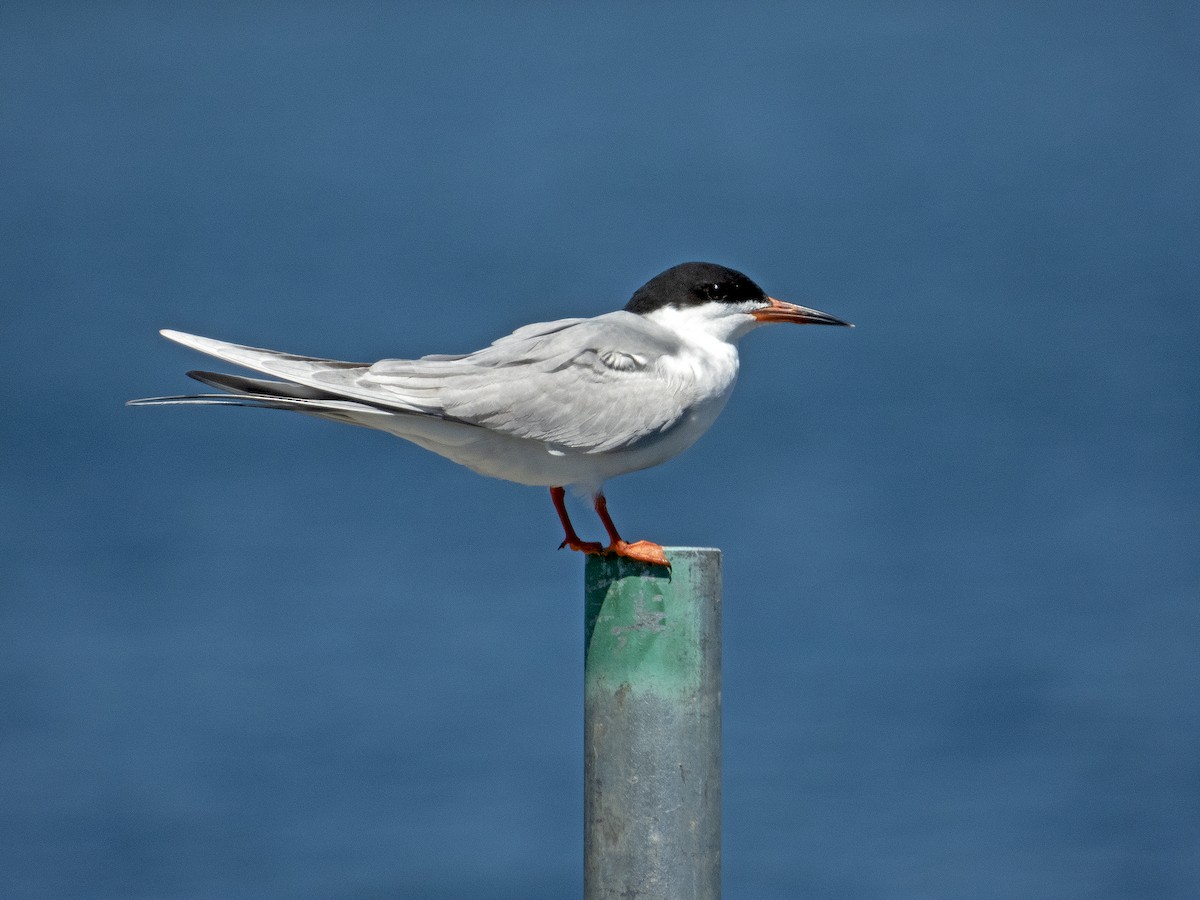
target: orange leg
572 539
642 551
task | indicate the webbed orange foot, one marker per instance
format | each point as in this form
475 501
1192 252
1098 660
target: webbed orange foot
642 551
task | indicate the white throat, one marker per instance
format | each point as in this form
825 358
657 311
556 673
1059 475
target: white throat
711 321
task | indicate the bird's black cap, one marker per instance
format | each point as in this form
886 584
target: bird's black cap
694 284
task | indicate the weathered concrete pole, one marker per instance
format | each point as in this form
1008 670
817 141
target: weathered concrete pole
652 719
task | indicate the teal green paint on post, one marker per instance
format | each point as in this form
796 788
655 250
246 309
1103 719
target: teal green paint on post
640 630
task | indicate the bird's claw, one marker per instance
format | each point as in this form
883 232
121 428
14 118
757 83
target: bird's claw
591 548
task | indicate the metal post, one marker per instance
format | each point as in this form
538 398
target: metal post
652 720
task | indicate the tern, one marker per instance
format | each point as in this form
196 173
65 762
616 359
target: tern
569 403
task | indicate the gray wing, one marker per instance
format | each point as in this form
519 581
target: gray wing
583 385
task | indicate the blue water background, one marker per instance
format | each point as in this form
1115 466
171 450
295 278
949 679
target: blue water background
251 655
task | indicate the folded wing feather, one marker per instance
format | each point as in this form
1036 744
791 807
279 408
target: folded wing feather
579 385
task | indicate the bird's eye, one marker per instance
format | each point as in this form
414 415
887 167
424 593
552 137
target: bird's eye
716 292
